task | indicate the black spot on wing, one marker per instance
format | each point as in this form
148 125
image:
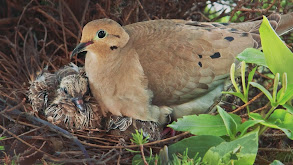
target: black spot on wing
216 55
216 25
233 30
200 64
229 38
244 34
200 56
225 24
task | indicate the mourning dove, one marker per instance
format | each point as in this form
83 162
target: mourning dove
149 70
65 100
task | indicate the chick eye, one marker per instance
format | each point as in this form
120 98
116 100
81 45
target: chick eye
101 33
65 90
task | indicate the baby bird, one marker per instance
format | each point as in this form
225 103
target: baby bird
72 106
65 99
61 97
149 70
41 91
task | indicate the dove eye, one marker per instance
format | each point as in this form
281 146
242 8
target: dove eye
101 33
65 90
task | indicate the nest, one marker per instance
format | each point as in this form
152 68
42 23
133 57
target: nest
35 34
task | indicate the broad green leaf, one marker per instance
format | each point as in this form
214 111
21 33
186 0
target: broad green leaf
229 122
240 151
289 108
247 124
276 162
288 95
195 144
277 55
264 90
256 116
283 120
204 124
252 55
279 119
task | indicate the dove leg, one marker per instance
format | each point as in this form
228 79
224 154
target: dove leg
200 105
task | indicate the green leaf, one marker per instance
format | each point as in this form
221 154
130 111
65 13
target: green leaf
204 124
239 95
244 126
256 116
252 55
277 55
289 108
195 144
240 151
283 120
229 122
264 90
279 119
250 75
288 95
276 162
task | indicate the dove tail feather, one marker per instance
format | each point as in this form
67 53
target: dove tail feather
286 24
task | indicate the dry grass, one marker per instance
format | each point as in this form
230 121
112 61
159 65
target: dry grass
34 34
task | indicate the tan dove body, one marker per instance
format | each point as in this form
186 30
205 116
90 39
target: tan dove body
151 69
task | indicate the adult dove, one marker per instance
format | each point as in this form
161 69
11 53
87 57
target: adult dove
149 70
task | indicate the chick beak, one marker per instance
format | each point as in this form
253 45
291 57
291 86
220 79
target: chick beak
80 48
78 102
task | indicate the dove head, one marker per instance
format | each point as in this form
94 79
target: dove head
102 37
74 88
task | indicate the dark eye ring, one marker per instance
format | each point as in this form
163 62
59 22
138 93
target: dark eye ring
65 90
101 33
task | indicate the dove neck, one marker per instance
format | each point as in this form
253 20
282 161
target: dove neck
123 66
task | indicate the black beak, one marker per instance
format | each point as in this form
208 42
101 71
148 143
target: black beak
80 48
78 102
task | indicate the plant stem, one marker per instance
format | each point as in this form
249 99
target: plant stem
270 112
264 128
248 110
142 155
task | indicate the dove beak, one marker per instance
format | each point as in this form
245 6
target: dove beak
80 48
79 103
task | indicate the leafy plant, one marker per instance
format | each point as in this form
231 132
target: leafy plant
139 139
277 57
243 96
185 160
232 143
226 145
